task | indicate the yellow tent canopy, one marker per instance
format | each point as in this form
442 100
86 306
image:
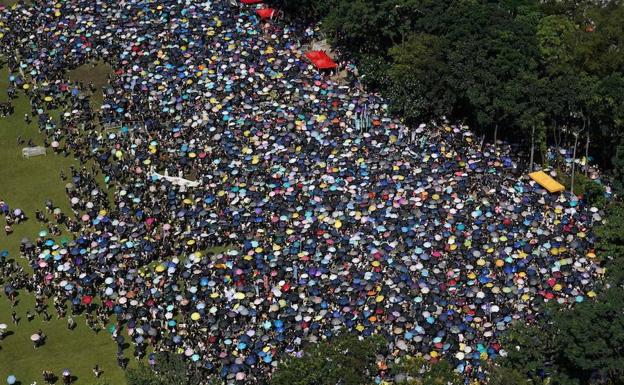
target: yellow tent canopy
546 181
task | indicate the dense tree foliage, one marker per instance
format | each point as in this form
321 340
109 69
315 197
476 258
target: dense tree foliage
572 346
582 345
515 69
418 371
169 369
345 360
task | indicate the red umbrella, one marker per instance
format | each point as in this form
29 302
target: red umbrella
87 299
251 1
265 13
321 60
109 304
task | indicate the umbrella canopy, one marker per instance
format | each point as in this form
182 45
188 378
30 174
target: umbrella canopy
321 60
265 13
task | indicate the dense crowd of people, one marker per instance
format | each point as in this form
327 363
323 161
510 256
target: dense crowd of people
216 131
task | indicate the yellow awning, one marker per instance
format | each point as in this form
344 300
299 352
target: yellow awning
546 181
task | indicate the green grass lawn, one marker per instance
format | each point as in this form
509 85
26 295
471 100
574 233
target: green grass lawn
27 183
96 73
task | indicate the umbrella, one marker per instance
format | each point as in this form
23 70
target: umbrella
11 379
3 326
35 337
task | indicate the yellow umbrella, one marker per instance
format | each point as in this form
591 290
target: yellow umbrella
160 268
48 98
188 201
195 316
26 86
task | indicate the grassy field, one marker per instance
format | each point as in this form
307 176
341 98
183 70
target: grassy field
96 73
27 183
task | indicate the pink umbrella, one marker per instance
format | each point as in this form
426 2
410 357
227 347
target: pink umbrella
55 144
85 218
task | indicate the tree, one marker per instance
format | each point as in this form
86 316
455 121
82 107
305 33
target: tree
610 240
554 36
418 371
142 375
419 76
618 169
575 346
529 350
345 360
506 376
170 368
489 54
310 10
351 23
590 339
